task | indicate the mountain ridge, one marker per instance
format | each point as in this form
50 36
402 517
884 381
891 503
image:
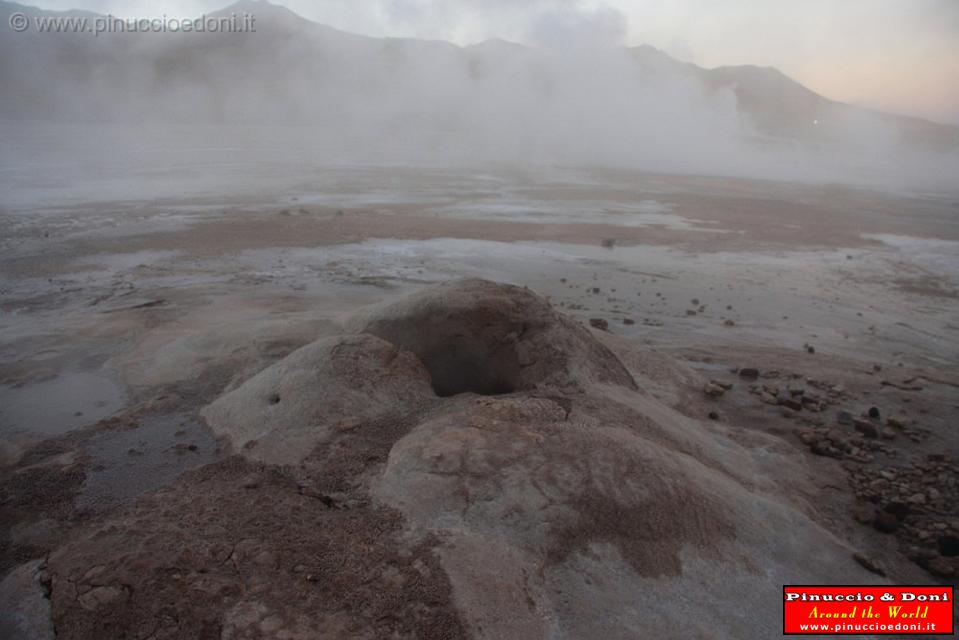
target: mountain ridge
288 52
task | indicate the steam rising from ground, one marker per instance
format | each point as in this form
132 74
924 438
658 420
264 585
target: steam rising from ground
410 101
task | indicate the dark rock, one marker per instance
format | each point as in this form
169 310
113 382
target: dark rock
749 373
789 402
628 321
874 413
885 522
949 546
844 417
599 323
713 415
866 428
898 509
823 448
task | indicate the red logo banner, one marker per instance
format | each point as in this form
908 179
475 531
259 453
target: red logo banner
855 610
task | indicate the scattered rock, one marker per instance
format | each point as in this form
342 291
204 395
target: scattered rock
599 323
789 402
941 567
864 514
866 428
885 522
749 373
713 390
252 481
868 564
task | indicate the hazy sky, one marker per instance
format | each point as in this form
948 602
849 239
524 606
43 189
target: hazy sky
897 55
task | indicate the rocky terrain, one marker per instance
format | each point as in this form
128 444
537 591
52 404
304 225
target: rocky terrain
309 417
469 464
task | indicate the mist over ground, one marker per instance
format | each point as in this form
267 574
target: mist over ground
324 96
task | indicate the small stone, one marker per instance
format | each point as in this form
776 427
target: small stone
713 415
917 498
822 448
728 322
866 428
863 514
941 567
888 434
868 564
713 390
789 402
749 373
628 321
844 417
898 509
101 596
874 413
885 522
768 398
252 481
599 323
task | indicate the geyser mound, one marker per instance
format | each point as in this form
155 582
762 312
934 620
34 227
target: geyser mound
489 338
471 464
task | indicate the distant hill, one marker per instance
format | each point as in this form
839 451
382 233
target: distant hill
496 93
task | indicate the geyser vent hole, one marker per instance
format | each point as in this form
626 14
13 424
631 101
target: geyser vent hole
471 370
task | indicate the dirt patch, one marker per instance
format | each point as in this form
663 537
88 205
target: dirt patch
39 494
222 555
